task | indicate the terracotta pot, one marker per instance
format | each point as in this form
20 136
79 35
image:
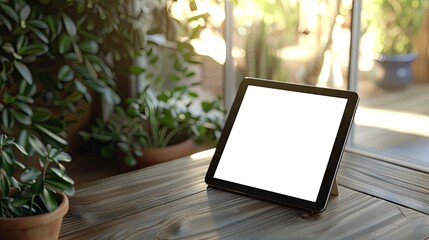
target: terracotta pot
152 156
44 226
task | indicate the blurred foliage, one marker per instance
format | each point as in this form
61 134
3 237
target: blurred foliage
393 23
168 110
263 29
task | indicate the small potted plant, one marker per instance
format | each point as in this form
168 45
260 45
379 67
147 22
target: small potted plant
156 121
33 201
393 24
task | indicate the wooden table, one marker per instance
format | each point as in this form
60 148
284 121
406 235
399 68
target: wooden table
171 201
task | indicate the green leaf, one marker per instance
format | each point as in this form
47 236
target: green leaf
8 48
34 49
65 73
8 167
154 60
10 12
24 71
52 22
41 115
39 34
130 160
17 56
25 12
193 94
89 46
64 157
25 108
63 176
20 201
14 183
111 97
78 52
74 97
64 43
38 24
58 185
7 119
51 134
21 117
49 200
7 156
80 87
173 77
190 74
30 175
136 70
71 57
4 185
37 145
20 148
22 138
22 40
69 25
6 22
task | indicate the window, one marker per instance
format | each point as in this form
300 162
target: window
393 118
308 42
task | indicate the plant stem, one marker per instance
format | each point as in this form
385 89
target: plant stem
31 204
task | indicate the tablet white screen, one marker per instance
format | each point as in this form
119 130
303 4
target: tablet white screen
281 141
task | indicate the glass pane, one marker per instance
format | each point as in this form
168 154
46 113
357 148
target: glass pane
393 118
296 41
185 46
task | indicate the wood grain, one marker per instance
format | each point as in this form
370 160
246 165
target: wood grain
385 180
171 201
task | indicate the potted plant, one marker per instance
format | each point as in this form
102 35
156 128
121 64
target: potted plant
157 123
393 23
164 112
33 201
57 57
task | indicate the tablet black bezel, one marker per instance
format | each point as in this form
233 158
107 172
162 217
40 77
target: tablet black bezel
347 120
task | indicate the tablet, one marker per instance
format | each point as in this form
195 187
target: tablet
283 142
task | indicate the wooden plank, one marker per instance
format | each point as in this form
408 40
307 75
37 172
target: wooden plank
395 183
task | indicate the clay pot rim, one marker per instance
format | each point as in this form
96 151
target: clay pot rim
39 219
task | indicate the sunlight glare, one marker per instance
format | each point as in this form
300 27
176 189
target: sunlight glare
211 44
398 121
204 154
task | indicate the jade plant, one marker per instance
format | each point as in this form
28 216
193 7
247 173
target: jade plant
156 119
26 191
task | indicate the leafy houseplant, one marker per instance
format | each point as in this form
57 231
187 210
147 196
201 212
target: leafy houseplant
56 56
37 192
164 113
157 119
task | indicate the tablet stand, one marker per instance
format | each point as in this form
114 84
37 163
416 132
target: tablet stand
334 189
